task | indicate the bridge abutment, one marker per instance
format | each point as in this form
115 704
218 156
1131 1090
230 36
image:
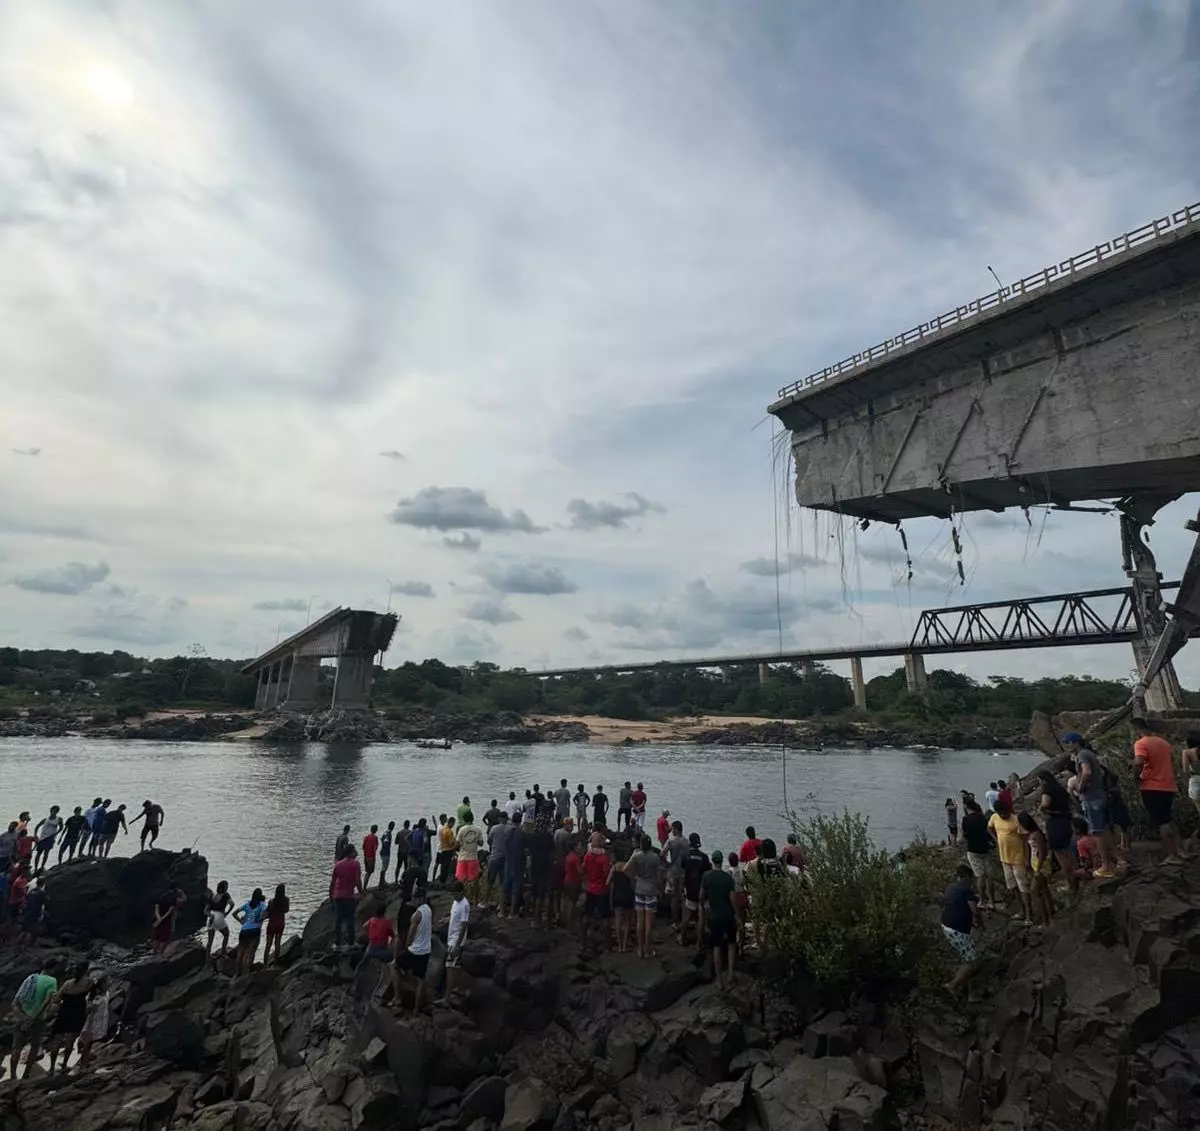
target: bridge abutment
914 674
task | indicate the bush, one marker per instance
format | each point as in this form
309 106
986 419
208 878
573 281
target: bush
103 717
860 923
132 710
8 713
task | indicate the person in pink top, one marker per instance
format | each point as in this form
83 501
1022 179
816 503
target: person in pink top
344 887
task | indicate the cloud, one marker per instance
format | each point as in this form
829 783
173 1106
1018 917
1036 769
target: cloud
414 589
490 611
527 577
463 541
601 515
459 508
282 605
27 451
392 454
68 580
767 567
138 619
575 633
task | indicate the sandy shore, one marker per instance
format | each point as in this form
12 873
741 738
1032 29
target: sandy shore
609 732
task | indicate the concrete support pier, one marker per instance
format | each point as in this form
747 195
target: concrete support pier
808 668
302 687
352 684
858 683
764 673
914 674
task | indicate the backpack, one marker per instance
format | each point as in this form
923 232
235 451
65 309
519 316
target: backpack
416 843
27 993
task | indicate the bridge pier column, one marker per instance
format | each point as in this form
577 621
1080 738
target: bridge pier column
808 668
302 683
914 673
857 683
764 672
260 694
352 683
274 685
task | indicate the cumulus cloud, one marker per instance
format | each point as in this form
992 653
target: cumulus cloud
463 541
768 567
460 508
599 515
490 611
135 618
576 634
68 580
527 577
413 589
282 605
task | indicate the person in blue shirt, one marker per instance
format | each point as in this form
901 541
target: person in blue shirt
250 915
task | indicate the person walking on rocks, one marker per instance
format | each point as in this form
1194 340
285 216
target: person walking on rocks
114 823
250 917
1156 779
218 904
152 814
456 939
1093 799
95 1027
345 886
582 801
99 817
417 945
72 1002
89 823
645 866
30 1008
960 916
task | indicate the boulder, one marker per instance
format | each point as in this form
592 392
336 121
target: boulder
175 995
529 1105
177 1037
719 1102
177 961
373 1102
485 1098
818 1094
113 898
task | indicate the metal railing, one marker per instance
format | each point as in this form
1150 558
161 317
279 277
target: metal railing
1118 246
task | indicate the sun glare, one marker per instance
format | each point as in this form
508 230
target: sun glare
108 85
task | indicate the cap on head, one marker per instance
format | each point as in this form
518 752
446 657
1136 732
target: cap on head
1073 739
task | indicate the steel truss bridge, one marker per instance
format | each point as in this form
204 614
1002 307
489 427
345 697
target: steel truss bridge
1098 616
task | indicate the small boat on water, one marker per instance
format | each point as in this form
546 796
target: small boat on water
434 743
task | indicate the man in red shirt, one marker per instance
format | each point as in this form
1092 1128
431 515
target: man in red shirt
572 882
748 853
25 843
370 851
1156 779
596 867
344 887
664 827
638 800
380 934
18 887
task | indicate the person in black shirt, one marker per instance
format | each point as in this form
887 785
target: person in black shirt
72 831
960 915
979 849
1055 805
599 807
695 864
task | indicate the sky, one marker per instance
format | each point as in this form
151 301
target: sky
478 308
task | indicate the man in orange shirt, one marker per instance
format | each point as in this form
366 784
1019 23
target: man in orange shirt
1156 777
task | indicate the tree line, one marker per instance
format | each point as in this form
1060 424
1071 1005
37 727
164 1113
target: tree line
48 678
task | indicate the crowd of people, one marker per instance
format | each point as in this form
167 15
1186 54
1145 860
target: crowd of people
1016 844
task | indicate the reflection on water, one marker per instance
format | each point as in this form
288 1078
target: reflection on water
269 813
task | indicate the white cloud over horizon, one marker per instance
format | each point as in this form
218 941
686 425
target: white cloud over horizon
496 299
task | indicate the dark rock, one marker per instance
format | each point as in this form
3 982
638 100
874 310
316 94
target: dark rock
177 961
113 898
719 1102
529 1105
817 1094
290 952
177 1037
372 1101
181 993
485 1098
830 1035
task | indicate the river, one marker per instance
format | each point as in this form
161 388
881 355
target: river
265 814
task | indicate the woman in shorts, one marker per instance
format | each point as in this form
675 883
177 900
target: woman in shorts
218 905
644 866
277 912
250 915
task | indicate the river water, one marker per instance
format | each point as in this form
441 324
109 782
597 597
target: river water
266 814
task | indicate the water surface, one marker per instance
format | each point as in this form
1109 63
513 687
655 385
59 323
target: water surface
264 814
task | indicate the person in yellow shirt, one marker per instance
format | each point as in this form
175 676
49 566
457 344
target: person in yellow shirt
447 843
1010 843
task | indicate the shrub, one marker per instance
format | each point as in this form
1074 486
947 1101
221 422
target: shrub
860 922
129 710
8 713
103 717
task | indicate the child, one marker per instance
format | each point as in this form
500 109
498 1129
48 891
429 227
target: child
380 934
951 821
1087 850
95 1028
1039 868
277 911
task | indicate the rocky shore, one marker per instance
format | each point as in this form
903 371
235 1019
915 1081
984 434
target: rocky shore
1090 1024
511 728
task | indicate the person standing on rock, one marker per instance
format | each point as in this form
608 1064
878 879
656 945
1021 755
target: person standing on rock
45 835
625 806
402 844
740 897
672 855
419 847
512 806
1040 863
599 807
72 1002
979 850
114 823
1055 806
664 828
277 913
1010 843
418 943
716 903
165 909
497 841
456 938
461 810
251 915
343 842
370 853
620 893
644 866
960 916
1191 768
380 935
29 1009
385 852
446 845
951 821
74 829
562 802
1156 780
595 890
582 801
989 797
637 799
99 816
345 885
696 865
1093 800
89 823
468 840
493 815
218 904
95 1028
8 846
572 883
748 853
152 814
